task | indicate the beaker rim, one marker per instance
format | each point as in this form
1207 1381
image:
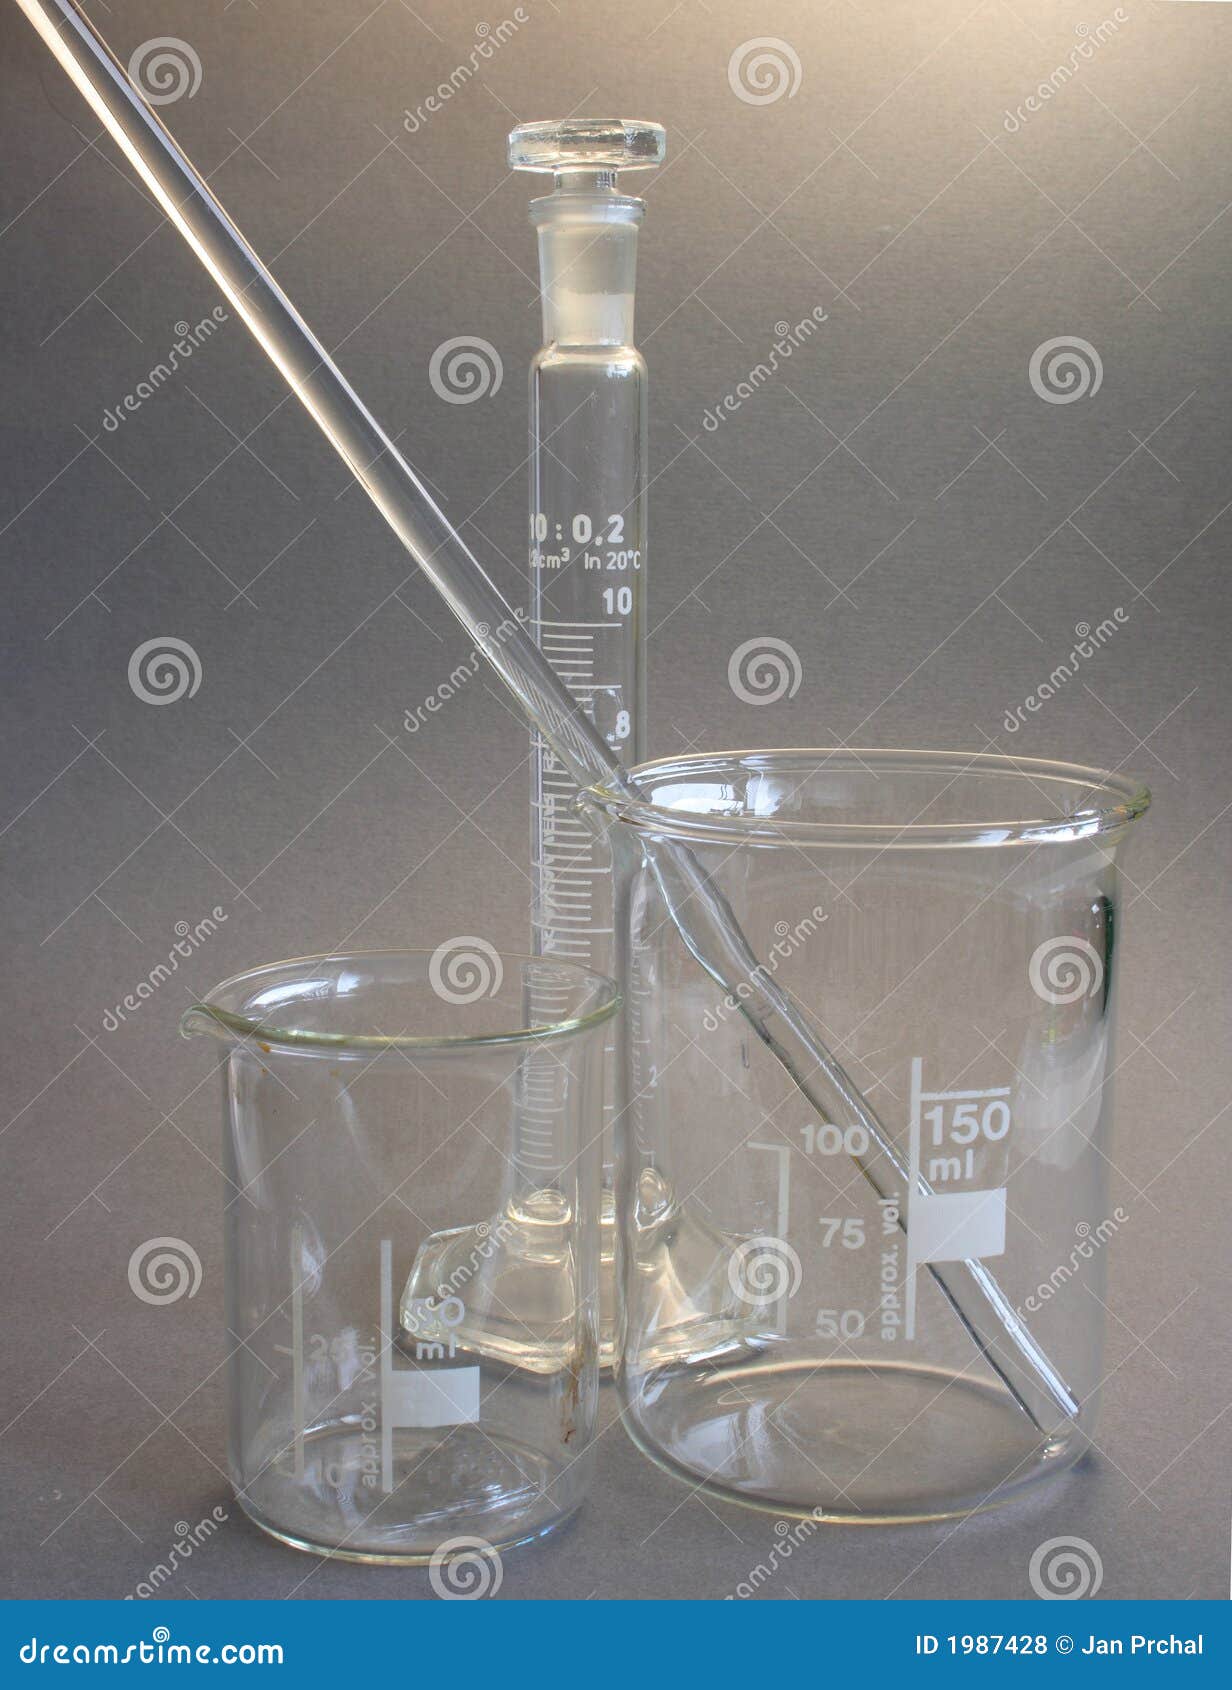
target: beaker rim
1105 802
456 976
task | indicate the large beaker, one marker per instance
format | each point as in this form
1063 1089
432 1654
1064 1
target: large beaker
948 926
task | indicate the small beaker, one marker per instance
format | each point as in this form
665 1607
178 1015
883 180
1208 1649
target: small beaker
810 1322
398 1381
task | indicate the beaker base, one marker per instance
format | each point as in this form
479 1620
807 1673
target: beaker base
390 1558
469 1486
843 1442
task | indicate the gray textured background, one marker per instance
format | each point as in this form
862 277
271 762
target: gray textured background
899 504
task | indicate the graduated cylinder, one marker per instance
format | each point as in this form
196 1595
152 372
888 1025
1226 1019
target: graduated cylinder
587 538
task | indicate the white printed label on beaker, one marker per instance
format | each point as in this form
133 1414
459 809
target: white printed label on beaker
957 1226
447 1396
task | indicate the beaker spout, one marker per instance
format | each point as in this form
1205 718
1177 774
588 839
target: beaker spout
197 1020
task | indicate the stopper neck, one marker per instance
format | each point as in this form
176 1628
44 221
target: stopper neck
587 261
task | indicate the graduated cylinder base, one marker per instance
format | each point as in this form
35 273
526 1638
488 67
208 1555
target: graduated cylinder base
484 1487
842 1442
